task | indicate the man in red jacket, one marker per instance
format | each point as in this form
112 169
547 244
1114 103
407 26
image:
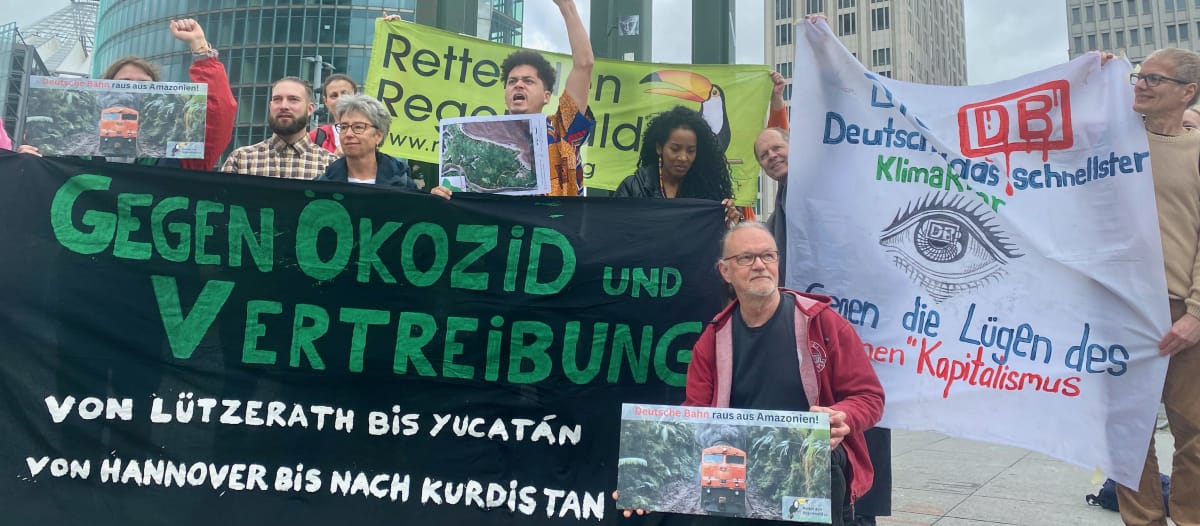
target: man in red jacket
778 349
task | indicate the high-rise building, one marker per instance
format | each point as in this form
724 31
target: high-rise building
1134 28
65 39
623 30
911 40
59 44
495 20
18 59
259 42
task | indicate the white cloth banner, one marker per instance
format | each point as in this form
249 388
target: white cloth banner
996 247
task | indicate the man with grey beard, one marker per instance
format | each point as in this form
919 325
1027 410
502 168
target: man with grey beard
778 349
287 153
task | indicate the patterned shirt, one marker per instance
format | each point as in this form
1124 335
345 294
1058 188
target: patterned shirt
276 158
566 132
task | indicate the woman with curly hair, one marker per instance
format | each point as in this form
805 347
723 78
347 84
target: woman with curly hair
680 158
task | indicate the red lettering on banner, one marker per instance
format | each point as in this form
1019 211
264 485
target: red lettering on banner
1033 119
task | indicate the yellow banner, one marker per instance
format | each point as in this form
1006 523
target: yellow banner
423 74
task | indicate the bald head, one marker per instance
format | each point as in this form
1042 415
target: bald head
771 151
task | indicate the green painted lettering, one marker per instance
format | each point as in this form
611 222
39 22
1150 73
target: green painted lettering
255 330
311 323
204 230
184 331
486 236
534 352
453 348
615 287
638 356
436 234
62 208
316 216
495 340
411 347
242 236
671 281
644 281
362 320
548 236
514 256
571 350
682 354
369 242
182 249
123 247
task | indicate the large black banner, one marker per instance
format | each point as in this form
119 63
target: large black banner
188 348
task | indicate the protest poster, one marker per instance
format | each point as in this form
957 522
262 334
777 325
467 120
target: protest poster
995 246
117 118
271 351
424 75
506 154
747 463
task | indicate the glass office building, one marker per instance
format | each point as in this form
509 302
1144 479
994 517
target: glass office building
507 21
259 41
17 59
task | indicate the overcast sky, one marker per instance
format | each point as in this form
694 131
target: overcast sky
1005 38
24 12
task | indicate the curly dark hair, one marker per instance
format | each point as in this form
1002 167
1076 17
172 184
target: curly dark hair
525 57
709 176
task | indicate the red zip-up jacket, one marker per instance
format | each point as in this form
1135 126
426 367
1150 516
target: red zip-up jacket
835 371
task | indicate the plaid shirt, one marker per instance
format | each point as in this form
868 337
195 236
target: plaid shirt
276 158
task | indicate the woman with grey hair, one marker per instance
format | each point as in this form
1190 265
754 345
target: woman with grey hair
362 125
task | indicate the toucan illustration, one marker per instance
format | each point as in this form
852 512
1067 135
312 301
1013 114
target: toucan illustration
795 507
696 88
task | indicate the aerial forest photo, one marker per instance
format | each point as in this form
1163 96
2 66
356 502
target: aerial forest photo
493 156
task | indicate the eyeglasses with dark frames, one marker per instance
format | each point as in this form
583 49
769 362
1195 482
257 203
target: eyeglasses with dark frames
359 128
1153 79
745 260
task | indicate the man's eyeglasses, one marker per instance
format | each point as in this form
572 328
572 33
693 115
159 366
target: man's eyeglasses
1153 79
746 260
358 127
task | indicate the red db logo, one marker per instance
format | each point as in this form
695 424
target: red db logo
1034 119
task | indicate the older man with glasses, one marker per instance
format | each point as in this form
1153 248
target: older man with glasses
1163 90
779 349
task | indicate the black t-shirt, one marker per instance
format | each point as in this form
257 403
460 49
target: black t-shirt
766 369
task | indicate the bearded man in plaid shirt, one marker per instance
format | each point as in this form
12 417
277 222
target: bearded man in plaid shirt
287 153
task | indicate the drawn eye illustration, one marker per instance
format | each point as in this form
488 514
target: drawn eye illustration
948 245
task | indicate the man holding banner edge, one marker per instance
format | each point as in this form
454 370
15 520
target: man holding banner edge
1165 86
